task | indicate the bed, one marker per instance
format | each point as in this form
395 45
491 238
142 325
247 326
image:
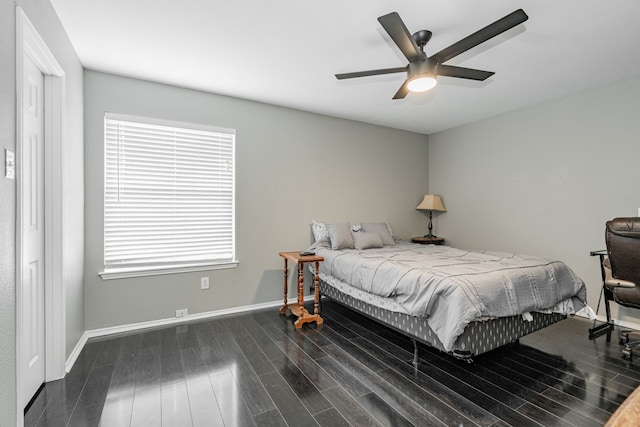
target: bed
459 301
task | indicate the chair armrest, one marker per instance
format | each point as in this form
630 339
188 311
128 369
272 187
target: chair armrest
612 282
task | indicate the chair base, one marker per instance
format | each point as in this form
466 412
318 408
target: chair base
627 350
605 328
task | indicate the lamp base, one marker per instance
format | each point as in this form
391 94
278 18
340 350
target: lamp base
430 227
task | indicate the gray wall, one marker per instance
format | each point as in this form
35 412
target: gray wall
543 180
291 167
44 19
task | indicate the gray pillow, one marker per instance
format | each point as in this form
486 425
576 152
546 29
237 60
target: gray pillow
363 240
382 229
340 235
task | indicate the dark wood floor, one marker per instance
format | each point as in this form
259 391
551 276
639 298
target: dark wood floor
257 369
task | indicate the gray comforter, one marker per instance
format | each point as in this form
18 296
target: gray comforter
452 287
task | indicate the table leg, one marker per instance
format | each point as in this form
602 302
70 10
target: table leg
316 286
301 284
283 310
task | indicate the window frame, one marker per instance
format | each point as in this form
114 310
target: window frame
178 267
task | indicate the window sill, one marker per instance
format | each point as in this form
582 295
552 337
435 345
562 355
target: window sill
124 273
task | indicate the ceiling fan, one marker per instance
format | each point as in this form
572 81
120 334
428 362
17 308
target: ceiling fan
423 70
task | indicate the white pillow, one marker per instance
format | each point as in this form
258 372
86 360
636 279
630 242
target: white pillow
363 240
340 235
320 231
382 229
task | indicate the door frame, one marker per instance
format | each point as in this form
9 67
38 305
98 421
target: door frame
29 42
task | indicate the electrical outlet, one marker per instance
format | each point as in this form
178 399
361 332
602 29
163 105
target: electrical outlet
638 211
183 312
204 283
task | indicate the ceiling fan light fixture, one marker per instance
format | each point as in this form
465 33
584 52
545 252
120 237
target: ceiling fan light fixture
421 75
422 83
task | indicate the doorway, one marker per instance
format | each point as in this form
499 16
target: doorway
32 230
40 81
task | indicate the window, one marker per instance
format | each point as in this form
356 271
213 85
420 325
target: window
168 197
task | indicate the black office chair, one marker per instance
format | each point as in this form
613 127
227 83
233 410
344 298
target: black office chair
622 270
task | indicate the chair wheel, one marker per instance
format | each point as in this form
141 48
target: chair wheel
627 353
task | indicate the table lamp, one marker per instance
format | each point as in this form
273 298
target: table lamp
431 202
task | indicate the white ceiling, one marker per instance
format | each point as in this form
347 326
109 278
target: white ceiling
286 52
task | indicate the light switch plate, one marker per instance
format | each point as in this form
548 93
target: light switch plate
9 164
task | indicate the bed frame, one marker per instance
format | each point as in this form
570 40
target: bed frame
477 338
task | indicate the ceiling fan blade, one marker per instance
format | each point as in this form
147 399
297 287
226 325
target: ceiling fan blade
393 25
403 91
481 36
464 73
370 73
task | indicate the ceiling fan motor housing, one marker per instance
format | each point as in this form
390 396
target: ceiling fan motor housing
422 67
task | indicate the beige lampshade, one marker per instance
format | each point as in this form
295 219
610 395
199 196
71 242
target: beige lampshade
431 202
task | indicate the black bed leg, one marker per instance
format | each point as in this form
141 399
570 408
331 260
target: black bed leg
415 353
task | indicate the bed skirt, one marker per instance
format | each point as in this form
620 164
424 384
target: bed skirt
477 338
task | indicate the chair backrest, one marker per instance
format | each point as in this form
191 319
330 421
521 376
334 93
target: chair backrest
623 249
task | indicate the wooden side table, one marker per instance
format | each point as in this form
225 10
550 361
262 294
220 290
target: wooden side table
428 240
297 308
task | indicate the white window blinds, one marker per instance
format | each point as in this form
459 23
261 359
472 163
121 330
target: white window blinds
169 194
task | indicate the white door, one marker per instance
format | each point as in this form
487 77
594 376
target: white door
33 360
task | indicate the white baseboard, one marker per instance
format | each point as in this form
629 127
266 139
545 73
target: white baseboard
71 360
75 352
